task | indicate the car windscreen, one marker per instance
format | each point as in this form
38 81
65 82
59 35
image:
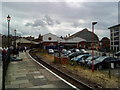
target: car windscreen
79 56
100 59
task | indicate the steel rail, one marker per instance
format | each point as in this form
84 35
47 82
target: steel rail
67 77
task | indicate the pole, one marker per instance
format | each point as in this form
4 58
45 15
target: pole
15 40
92 48
4 59
8 34
109 70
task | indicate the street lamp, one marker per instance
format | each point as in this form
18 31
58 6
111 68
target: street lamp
15 40
4 59
8 19
93 23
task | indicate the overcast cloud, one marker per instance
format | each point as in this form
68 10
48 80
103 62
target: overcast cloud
60 18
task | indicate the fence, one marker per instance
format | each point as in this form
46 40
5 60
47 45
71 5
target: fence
99 53
61 60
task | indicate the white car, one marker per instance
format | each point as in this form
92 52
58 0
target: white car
84 51
64 51
50 51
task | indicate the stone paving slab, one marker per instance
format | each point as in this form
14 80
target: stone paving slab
28 74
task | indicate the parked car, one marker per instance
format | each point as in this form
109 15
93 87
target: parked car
77 50
88 59
117 53
50 51
79 58
64 51
74 50
83 50
74 54
67 53
104 62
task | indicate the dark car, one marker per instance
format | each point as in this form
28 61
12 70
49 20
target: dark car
104 62
117 53
79 58
88 59
74 50
74 54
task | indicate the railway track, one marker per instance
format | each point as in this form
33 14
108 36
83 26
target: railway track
68 78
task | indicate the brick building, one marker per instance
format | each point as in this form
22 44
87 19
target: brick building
87 35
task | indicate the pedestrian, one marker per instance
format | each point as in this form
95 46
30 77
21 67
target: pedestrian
25 48
4 54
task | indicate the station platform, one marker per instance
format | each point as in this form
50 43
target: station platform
28 74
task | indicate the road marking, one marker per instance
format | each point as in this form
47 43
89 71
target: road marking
55 74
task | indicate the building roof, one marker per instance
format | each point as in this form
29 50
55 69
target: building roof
114 26
53 36
23 40
50 34
73 40
85 34
105 39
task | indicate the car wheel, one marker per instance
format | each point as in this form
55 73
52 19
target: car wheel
100 67
72 63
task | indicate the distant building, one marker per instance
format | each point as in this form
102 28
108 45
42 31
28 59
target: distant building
5 40
115 37
22 42
29 38
87 35
75 42
50 40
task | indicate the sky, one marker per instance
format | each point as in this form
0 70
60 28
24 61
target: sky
60 18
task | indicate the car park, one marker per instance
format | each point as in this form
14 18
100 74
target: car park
104 62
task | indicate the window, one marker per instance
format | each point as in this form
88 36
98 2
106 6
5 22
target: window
111 38
116 43
111 43
116 29
116 38
49 38
116 34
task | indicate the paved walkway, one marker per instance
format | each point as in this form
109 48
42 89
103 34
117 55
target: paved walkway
28 74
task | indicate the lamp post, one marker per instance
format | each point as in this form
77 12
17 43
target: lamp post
93 23
3 57
15 40
8 19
